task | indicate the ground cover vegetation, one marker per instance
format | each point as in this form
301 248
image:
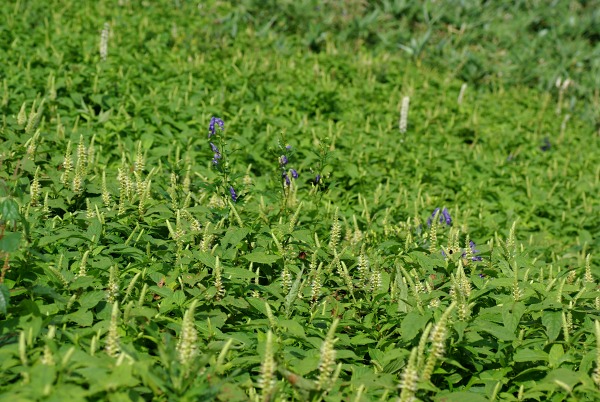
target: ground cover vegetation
300 200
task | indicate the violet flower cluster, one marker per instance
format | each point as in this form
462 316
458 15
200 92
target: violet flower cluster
233 194
212 130
217 155
443 217
285 172
473 252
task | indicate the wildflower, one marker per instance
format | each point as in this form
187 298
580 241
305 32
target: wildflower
435 211
214 148
217 154
294 173
286 178
546 145
288 147
444 217
317 179
234 196
474 251
211 127
283 160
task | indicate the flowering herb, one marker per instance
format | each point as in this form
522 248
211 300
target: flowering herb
474 251
294 173
317 179
546 145
446 217
443 217
233 194
211 127
286 178
283 160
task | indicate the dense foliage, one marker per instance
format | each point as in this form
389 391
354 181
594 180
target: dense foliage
299 201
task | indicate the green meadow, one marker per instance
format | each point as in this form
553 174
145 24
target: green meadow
299 200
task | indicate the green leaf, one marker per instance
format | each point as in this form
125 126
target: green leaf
293 327
234 236
564 378
413 324
501 333
4 298
511 315
361 339
261 257
530 355
10 242
462 396
552 320
9 210
235 272
91 299
81 317
555 355
207 259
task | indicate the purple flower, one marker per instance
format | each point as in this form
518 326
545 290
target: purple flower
283 160
211 127
317 179
286 178
234 196
474 251
444 216
294 173
214 148
435 211
288 147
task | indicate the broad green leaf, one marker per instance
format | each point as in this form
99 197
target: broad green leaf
81 317
564 378
9 210
511 315
235 272
530 355
261 257
555 355
413 324
234 236
500 332
10 242
293 327
552 320
91 299
361 339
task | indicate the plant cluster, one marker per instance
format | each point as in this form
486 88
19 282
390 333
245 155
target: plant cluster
194 207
